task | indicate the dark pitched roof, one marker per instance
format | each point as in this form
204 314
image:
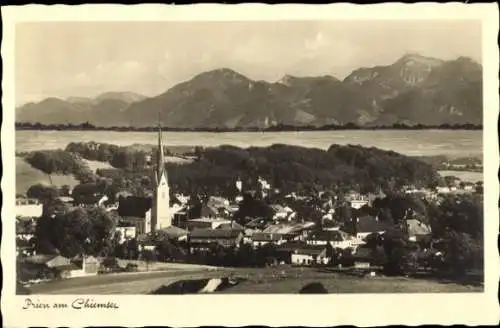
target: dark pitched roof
134 206
291 246
265 236
328 235
173 232
363 254
310 250
370 223
232 225
215 233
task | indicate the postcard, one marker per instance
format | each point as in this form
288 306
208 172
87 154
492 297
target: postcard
206 164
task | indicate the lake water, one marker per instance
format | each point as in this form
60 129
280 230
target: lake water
413 143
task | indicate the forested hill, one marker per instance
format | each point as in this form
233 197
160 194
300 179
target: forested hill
289 168
293 168
215 170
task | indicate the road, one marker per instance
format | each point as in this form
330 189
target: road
124 283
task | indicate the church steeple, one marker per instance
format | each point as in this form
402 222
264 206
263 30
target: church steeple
161 217
160 156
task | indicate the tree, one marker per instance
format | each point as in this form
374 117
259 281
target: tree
149 256
400 261
76 232
461 252
65 190
43 161
42 192
55 161
458 213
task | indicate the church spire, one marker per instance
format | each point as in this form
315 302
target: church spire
160 156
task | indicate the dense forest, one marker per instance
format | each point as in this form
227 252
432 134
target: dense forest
288 168
86 126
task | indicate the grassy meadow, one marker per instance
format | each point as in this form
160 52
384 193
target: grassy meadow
27 175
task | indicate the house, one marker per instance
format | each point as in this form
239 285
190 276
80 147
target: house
208 211
142 225
281 212
336 238
231 225
330 225
173 233
442 190
366 225
363 258
65 267
310 255
204 239
416 229
125 232
135 211
66 200
25 228
57 261
284 251
358 203
468 187
27 207
206 223
69 271
87 266
258 224
291 231
95 199
263 238
218 202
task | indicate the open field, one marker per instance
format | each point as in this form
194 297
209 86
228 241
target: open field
26 176
95 165
122 283
463 175
287 280
339 283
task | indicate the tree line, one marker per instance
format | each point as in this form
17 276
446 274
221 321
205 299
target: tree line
86 126
215 170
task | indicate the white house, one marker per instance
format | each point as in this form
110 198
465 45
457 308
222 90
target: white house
443 190
30 208
336 238
358 203
310 255
126 233
367 225
263 238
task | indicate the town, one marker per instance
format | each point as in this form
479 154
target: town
407 231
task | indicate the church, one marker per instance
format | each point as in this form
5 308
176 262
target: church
161 214
149 214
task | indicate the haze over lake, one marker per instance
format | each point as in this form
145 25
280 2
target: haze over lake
453 143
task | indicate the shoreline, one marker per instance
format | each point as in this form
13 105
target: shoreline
150 130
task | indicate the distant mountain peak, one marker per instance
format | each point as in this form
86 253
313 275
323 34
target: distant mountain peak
289 79
222 71
415 58
126 96
414 88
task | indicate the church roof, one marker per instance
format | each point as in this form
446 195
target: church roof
173 232
215 233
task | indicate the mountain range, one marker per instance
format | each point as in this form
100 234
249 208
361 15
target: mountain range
413 90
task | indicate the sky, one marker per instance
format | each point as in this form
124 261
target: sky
84 59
